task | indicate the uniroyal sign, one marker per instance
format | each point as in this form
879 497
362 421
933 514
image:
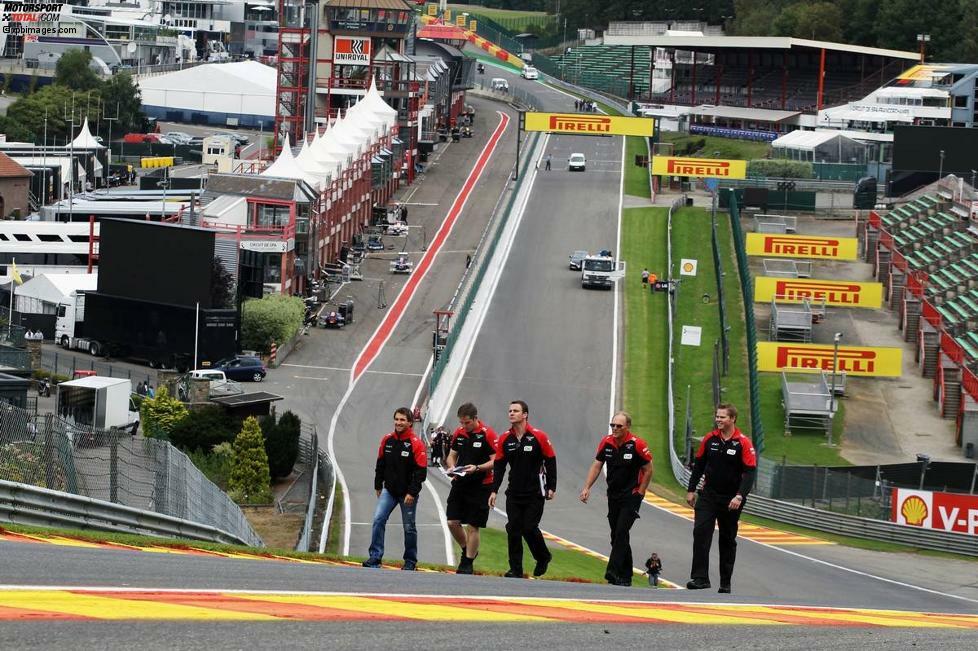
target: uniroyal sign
834 292
802 246
699 167
932 510
351 51
588 125
854 360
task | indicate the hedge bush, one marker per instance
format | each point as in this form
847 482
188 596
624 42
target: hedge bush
281 443
204 428
161 414
272 318
249 481
781 169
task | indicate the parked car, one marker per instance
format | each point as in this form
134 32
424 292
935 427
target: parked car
576 162
137 138
178 137
375 243
242 368
577 259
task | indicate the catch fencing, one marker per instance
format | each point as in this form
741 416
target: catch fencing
114 467
65 364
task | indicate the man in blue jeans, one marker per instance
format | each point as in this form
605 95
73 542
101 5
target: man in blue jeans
402 466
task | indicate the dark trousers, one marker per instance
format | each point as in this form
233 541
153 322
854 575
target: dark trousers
622 514
523 523
711 509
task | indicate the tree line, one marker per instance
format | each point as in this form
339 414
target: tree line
77 92
951 24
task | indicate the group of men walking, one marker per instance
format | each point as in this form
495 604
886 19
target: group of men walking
722 476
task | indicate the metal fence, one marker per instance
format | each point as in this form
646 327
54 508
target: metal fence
113 466
66 364
747 292
516 95
316 458
721 302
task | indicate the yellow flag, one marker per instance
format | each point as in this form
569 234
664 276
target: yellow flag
15 274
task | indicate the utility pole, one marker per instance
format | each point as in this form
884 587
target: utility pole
108 156
165 183
71 156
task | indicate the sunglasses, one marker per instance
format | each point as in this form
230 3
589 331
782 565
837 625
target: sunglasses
615 426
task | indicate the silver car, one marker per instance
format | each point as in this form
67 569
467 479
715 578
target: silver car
576 260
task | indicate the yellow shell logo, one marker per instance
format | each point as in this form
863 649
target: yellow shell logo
688 267
914 511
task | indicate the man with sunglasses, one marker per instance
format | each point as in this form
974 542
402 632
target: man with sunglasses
629 473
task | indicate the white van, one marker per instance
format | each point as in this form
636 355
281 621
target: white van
499 84
529 72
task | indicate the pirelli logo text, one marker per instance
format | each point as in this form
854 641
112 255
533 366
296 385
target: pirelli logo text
802 246
588 125
699 167
813 358
580 124
834 292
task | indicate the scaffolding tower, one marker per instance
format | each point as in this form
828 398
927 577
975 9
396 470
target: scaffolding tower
292 86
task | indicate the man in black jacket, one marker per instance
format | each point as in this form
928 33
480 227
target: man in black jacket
532 480
402 466
727 459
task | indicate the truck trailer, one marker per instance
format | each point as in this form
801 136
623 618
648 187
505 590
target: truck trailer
160 334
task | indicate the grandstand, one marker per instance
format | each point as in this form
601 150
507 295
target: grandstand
753 72
926 255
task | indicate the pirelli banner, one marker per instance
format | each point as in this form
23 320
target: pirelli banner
802 246
588 125
710 168
841 293
773 356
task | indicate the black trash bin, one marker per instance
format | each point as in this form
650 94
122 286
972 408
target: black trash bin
346 311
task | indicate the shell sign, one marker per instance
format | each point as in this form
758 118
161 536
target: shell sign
932 510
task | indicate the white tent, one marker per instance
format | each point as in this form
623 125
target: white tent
285 166
42 294
376 104
326 169
245 90
337 143
85 139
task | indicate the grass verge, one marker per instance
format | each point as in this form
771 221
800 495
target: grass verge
803 447
567 565
532 17
715 147
646 349
636 185
697 304
336 523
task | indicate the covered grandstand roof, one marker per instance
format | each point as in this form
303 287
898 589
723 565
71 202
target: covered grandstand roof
693 41
741 113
